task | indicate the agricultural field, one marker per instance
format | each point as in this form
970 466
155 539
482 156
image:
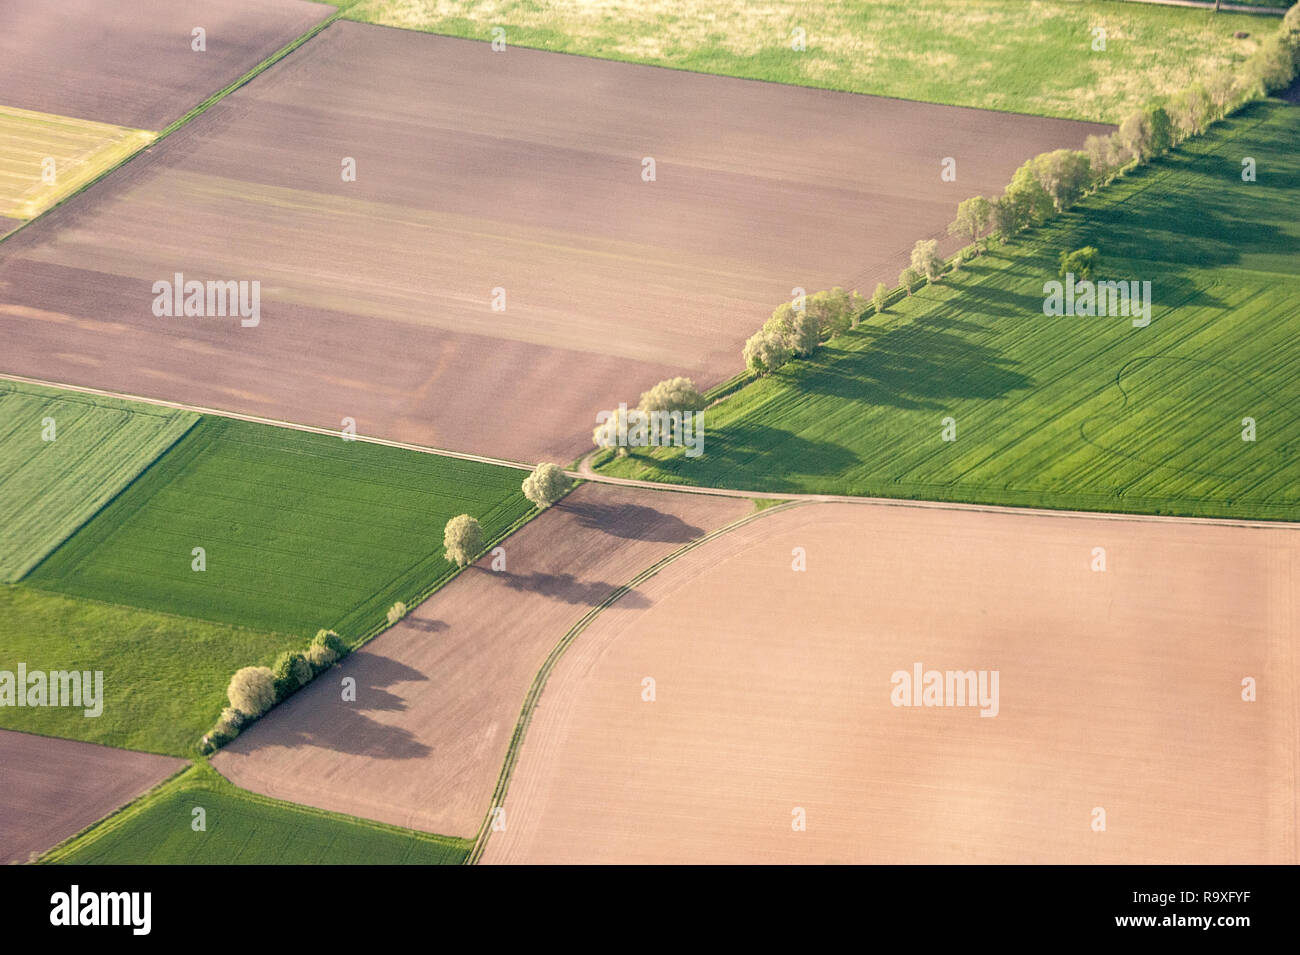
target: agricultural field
439 694
996 54
299 530
164 676
498 247
44 158
244 829
63 456
1067 412
90 60
54 788
775 692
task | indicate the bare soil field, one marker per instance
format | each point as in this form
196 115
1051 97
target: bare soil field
54 788
438 695
130 62
475 171
1118 690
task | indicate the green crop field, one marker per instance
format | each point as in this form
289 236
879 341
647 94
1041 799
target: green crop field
299 531
245 829
1068 412
62 457
164 676
997 54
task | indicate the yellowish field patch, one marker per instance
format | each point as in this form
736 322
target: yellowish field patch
44 157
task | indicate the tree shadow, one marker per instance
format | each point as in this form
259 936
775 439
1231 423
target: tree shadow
632 521
570 589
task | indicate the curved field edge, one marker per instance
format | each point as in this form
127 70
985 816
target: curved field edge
548 665
277 832
1038 401
65 458
1000 54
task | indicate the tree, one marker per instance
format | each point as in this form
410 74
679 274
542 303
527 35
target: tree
1191 110
672 394
291 671
1064 175
546 485
973 217
908 278
1034 205
879 297
252 691
1082 262
396 612
463 539
925 259
836 311
765 351
805 333
1147 132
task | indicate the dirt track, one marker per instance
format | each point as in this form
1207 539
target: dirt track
1118 690
130 63
520 170
438 695
53 788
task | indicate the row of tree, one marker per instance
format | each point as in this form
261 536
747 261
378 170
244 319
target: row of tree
1052 182
797 327
668 396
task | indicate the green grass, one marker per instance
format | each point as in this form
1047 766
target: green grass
164 676
300 530
244 829
1086 413
997 54
48 488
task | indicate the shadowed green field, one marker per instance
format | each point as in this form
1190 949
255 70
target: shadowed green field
164 676
62 457
299 531
996 54
1068 412
245 829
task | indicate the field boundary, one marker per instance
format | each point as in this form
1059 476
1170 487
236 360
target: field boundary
544 672
206 776
211 100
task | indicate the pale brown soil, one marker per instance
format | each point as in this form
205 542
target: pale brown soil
1119 690
129 62
51 789
476 170
438 695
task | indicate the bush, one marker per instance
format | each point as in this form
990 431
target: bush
546 485
291 671
252 691
398 610
330 639
321 658
462 540
1082 262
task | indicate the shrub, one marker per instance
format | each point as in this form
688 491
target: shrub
321 657
252 691
462 539
546 485
398 610
1082 262
291 671
330 639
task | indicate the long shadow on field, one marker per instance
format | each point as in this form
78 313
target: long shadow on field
633 522
747 447
570 589
920 365
318 716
